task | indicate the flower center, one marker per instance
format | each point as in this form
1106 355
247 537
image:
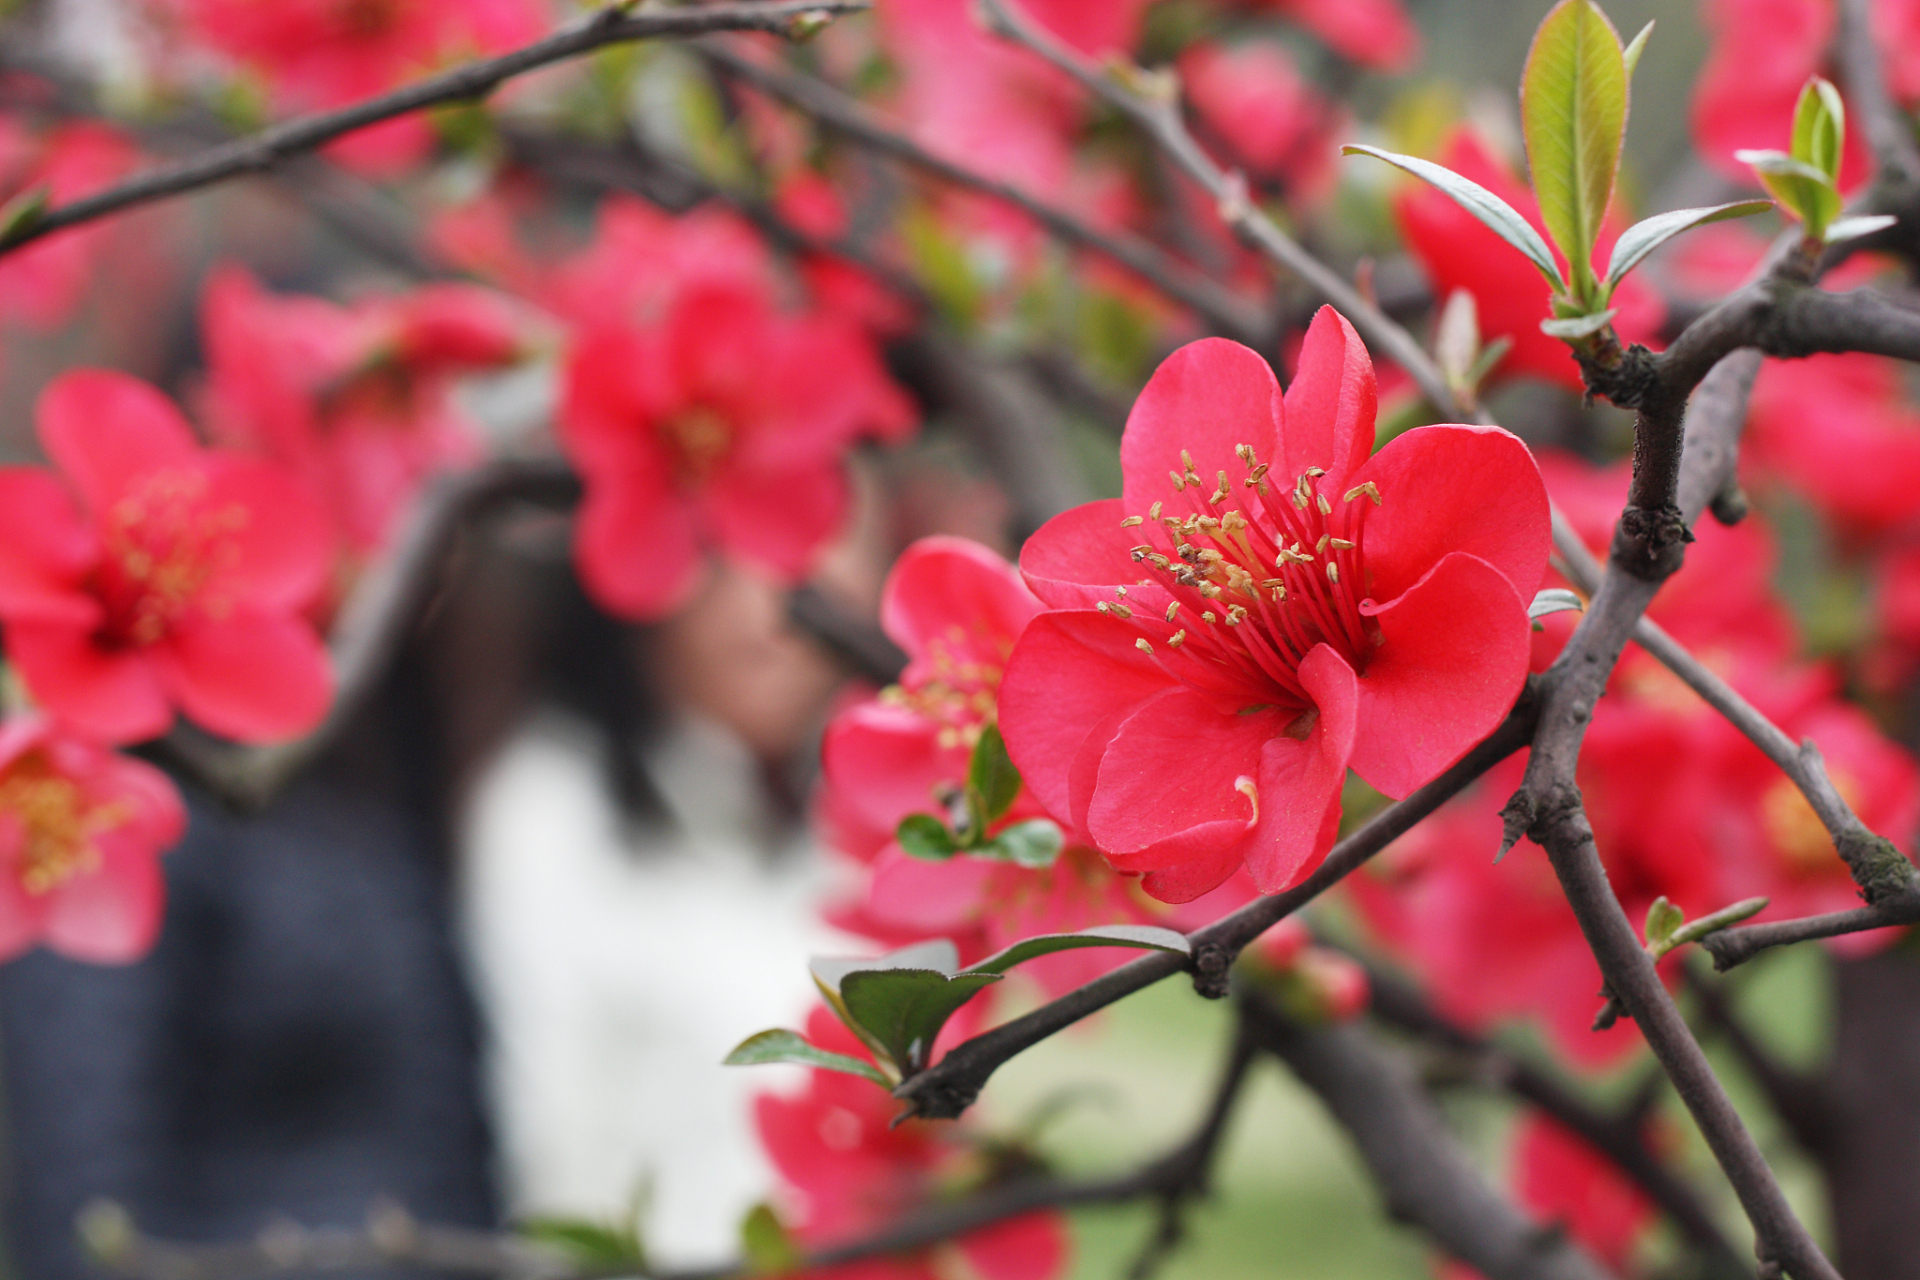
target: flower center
164 545
696 441
960 693
1255 586
58 826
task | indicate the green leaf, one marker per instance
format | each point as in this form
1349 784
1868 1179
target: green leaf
1805 191
1573 114
991 775
1499 216
1662 919
1554 600
1643 237
1035 843
904 1009
18 215
1635 47
1853 228
1574 328
921 835
939 954
1819 124
1714 922
591 1245
1142 936
1491 355
786 1046
765 1243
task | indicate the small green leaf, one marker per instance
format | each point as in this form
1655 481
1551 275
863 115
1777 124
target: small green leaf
590 1245
1492 354
904 1009
1142 936
1643 237
1819 125
1854 228
828 971
1573 114
1715 922
1499 216
1035 843
18 215
1554 600
787 1046
921 835
1635 47
1805 191
991 775
1456 338
1662 919
1574 328
766 1244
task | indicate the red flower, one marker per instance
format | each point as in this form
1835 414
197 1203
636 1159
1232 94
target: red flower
1272 122
851 1174
957 609
1511 297
81 829
1373 33
1193 703
358 401
1763 52
43 282
177 579
1806 413
722 422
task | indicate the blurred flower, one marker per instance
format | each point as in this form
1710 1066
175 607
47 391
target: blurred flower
1762 54
1512 298
1805 413
1272 122
81 829
1193 703
358 401
43 282
177 578
849 1173
722 423
1374 33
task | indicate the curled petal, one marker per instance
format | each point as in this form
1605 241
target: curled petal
1080 555
953 596
884 761
1300 780
1331 405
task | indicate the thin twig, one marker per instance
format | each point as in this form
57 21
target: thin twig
1733 947
273 145
854 120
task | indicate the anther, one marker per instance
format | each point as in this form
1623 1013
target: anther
1186 460
1177 639
1314 473
1130 522
1172 609
1208 617
1341 544
1333 572
1208 590
1221 490
1320 547
1153 512
1244 452
1140 553
1188 552
1326 508
1179 481
1369 488
1120 591
1111 609
1143 646
1236 614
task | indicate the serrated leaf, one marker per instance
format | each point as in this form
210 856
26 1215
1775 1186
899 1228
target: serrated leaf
1574 328
1854 228
1144 937
1499 217
1804 190
20 213
938 954
991 775
1643 237
1662 919
923 836
1554 600
904 1009
1630 56
1573 114
779 1045
1819 124
1035 844
766 1244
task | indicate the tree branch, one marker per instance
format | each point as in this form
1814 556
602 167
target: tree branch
1426 1176
854 120
1733 947
269 147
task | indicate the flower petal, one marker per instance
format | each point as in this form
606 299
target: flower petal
884 762
107 430
954 597
1080 555
1069 671
114 695
779 519
250 676
1455 488
1452 660
1206 398
284 543
937 897
1331 405
110 916
634 544
1033 1247
46 551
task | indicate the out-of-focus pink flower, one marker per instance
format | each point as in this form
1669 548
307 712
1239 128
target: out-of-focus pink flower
1805 414
1272 123
643 260
318 54
1459 252
81 832
355 400
1762 55
849 1173
1373 33
177 578
42 283
722 424
811 204
1219 649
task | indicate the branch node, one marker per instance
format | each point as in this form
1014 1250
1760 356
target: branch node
1730 506
1211 963
1879 869
1651 543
